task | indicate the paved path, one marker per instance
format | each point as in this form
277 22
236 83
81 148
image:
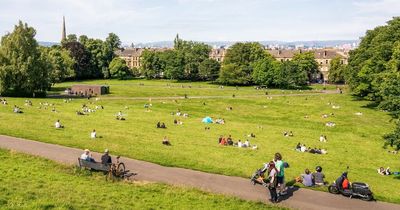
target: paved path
235 186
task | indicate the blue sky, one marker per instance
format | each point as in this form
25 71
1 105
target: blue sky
201 20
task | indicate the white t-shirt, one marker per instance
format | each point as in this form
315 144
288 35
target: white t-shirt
272 174
240 144
303 149
93 134
84 156
307 180
58 125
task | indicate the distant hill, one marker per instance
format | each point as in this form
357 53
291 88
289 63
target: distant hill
307 44
48 44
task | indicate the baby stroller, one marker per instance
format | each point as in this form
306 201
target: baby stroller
258 176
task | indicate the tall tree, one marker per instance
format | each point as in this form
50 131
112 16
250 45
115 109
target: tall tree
265 70
62 64
307 63
337 70
209 70
23 68
82 67
119 69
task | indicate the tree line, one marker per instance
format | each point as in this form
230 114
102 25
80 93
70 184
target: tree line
373 72
27 69
244 64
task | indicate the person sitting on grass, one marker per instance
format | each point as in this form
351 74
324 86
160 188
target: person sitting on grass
165 141
240 144
307 178
119 116
303 148
246 143
58 124
298 147
318 176
87 156
79 113
163 125
220 139
290 133
106 158
93 134
17 109
223 142
229 141
322 138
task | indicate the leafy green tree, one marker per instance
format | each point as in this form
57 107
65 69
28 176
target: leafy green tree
209 70
174 64
71 38
393 139
119 69
111 44
82 67
264 71
337 70
23 68
232 74
244 53
306 62
62 64
291 76
152 64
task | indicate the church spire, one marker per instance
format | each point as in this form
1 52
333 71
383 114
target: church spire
64 33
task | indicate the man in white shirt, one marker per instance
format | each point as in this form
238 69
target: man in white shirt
58 124
86 155
247 143
93 134
240 144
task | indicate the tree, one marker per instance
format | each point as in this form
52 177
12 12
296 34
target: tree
152 64
306 62
119 69
393 139
82 66
209 70
337 70
233 74
111 44
62 64
23 68
291 76
244 53
71 38
264 71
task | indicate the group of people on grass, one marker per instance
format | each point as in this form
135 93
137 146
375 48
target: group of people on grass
288 134
386 172
229 142
302 148
161 125
312 179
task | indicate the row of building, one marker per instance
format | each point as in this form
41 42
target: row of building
133 57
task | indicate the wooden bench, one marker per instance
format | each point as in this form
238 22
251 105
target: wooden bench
93 165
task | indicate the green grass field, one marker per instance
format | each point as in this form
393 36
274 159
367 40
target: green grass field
355 141
29 182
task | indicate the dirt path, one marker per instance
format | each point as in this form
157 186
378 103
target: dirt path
235 186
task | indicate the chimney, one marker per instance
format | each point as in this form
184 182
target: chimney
325 53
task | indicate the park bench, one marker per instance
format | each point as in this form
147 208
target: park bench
114 171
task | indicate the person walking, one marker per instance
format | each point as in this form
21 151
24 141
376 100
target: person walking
280 177
272 177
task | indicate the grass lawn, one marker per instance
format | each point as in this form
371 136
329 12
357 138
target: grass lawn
28 182
355 141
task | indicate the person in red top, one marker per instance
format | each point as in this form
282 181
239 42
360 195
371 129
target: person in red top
223 141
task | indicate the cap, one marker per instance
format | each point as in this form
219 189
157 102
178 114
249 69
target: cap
106 151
